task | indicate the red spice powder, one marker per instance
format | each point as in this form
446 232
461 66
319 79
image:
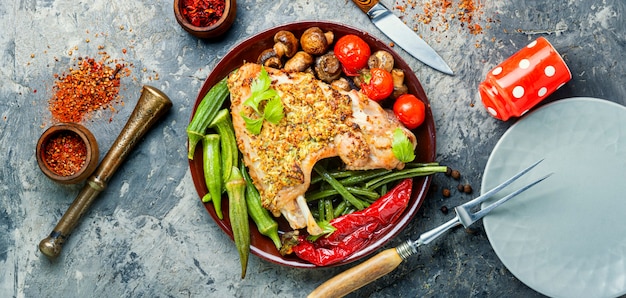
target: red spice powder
203 13
65 154
90 86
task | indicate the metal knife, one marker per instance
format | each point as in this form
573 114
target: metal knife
402 35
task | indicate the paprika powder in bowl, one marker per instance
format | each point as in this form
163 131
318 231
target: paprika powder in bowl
67 153
262 246
205 18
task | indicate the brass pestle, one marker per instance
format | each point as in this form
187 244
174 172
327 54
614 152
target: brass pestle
151 106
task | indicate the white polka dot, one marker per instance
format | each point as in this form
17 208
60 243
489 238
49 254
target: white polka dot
518 91
492 111
496 71
494 90
532 44
524 63
549 71
542 91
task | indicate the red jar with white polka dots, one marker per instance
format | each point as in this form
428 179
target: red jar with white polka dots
523 80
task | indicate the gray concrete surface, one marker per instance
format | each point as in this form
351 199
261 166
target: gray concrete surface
148 235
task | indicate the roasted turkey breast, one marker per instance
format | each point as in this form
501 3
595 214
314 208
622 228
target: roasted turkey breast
319 122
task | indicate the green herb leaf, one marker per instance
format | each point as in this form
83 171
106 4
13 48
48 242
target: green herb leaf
327 229
402 147
261 83
261 91
253 125
273 112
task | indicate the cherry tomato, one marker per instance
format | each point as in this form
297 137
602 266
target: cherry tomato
410 110
353 52
378 84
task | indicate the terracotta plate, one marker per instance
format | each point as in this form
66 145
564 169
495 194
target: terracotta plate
248 50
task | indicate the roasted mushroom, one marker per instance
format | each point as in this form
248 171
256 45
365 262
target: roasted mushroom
269 58
399 87
341 84
315 42
299 62
327 67
381 59
285 44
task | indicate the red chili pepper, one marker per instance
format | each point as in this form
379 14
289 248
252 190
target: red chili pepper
357 229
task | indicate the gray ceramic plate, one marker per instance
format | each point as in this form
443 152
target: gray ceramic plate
565 237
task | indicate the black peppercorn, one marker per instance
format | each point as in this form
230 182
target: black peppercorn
467 188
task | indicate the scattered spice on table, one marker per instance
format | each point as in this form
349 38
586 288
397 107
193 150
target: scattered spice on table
440 14
203 13
88 86
65 153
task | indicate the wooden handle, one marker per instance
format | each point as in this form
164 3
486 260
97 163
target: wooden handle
151 106
356 277
365 5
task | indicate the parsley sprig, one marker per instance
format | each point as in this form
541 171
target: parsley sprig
261 91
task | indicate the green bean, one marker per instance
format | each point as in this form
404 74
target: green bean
363 177
328 209
340 188
321 210
321 194
336 174
421 164
406 173
341 207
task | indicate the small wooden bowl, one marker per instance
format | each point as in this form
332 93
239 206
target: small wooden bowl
69 129
215 30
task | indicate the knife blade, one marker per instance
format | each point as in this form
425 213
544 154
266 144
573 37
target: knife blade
402 35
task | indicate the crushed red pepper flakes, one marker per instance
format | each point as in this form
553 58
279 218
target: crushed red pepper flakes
88 86
65 154
440 14
203 13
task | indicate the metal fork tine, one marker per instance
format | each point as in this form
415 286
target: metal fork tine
480 214
475 202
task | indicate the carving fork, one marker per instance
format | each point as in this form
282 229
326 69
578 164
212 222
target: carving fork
389 259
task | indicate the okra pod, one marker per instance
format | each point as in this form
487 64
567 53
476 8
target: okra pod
230 153
238 213
212 170
205 113
264 221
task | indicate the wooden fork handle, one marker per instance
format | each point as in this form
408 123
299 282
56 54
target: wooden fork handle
359 276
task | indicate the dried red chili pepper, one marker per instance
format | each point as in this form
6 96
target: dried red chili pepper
357 229
203 13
